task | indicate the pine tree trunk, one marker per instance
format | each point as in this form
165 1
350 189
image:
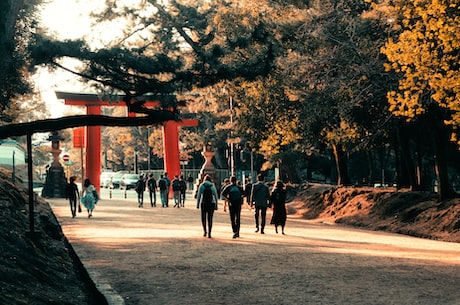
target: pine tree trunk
405 168
445 190
341 165
9 13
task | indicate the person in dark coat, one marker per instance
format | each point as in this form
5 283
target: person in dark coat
140 189
183 190
233 194
73 195
247 190
278 203
260 195
152 186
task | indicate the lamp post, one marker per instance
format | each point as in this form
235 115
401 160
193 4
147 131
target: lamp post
148 149
232 146
14 169
252 166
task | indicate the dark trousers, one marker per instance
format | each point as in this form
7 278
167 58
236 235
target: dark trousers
263 214
140 198
207 214
235 216
73 205
153 198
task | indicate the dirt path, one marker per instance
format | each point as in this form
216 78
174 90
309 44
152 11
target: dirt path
159 256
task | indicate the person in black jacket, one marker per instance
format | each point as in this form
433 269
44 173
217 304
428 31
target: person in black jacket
74 195
152 186
140 189
233 194
259 198
183 190
247 190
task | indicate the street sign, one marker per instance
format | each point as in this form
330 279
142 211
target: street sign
66 157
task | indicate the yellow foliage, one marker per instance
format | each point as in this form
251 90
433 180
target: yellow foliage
344 133
283 132
427 55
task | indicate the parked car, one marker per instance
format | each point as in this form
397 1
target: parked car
106 178
128 181
116 179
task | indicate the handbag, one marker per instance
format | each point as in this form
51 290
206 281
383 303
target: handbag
96 196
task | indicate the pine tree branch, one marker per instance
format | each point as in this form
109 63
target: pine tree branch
19 129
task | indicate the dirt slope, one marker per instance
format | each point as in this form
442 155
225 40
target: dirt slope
42 270
399 211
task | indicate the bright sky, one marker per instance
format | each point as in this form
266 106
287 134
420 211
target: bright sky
68 19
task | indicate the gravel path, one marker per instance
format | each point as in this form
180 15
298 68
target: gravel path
159 256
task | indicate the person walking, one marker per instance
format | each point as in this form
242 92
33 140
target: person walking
140 189
190 182
224 184
168 187
89 197
152 187
247 190
163 186
73 195
183 190
233 193
206 199
259 198
176 191
278 203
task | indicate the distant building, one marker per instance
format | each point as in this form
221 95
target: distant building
10 148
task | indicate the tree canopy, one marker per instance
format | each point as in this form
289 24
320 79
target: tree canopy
360 82
16 25
171 50
427 55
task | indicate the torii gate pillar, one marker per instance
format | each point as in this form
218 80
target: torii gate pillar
93 149
171 145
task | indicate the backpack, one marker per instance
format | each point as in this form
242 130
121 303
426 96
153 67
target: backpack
183 185
140 186
234 194
207 194
151 184
162 184
96 196
176 185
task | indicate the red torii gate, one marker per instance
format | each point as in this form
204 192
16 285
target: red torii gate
93 106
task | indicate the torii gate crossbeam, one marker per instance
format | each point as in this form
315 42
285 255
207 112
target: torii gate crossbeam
93 106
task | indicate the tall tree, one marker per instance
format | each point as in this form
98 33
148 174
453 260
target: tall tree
330 75
16 21
427 54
